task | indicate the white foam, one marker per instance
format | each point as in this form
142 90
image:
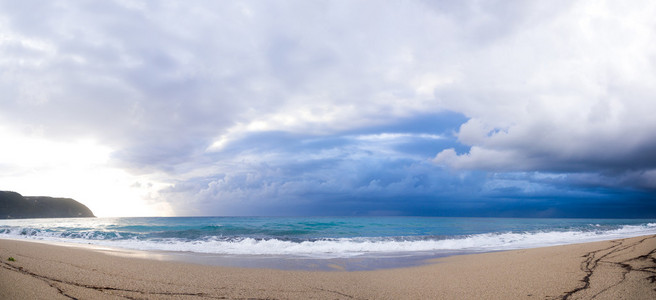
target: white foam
343 247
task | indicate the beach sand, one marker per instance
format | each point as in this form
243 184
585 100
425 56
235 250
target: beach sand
620 269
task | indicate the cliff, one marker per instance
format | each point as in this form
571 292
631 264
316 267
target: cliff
15 206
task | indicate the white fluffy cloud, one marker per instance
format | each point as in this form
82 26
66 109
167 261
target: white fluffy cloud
573 92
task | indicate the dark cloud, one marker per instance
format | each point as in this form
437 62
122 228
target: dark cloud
299 107
354 172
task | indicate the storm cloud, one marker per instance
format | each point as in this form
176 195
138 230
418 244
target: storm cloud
339 107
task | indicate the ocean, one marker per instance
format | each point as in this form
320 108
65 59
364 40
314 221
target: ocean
238 240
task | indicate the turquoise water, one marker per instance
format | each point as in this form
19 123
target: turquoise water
323 237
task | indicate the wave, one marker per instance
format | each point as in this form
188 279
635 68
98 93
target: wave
332 247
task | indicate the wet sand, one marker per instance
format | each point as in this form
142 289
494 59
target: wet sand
619 269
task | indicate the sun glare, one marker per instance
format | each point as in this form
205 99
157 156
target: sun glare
35 166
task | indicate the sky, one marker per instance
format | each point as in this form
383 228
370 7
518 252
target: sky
353 108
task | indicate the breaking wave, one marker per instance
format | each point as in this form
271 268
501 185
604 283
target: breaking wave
192 241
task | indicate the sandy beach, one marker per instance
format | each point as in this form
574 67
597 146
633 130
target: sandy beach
619 269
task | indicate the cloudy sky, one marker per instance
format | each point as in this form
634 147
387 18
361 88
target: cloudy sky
444 108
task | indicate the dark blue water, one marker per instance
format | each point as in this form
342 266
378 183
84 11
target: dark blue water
324 237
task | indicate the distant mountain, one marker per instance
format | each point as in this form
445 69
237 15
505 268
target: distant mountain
15 206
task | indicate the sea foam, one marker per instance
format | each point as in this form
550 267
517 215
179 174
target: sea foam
333 247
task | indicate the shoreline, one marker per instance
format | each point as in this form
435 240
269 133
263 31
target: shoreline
276 262
608 269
